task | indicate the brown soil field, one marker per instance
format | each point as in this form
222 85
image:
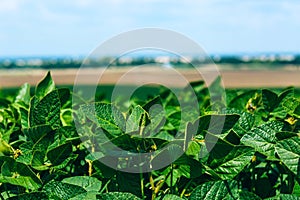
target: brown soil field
176 78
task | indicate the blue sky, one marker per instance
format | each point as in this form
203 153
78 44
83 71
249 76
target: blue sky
76 27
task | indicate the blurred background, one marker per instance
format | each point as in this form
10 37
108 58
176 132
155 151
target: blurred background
250 34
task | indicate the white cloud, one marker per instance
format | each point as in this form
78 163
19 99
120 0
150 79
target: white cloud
9 5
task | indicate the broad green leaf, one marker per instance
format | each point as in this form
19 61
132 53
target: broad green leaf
296 190
155 101
240 101
30 196
166 156
37 132
107 116
60 190
117 196
232 164
45 86
86 182
217 190
64 95
263 138
228 160
46 111
60 153
193 150
157 116
270 99
66 162
24 181
24 117
129 182
17 173
288 151
285 135
23 94
279 110
136 120
245 122
91 195
217 124
5 148
189 167
171 197
290 105
284 197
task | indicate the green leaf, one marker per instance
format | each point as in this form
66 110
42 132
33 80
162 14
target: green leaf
227 160
60 153
171 197
31 196
217 124
245 122
166 156
46 111
45 86
92 195
193 150
156 115
296 190
217 190
270 100
279 110
240 101
288 151
231 165
24 117
37 132
17 173
56 189
107 116
23 94
189 167
136 120
263 138
129 182
117 196
64 95
86 182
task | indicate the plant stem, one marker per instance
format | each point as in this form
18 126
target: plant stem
142 185
185 188
105 186
171 182
152 186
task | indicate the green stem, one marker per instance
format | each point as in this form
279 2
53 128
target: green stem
142 185
105 186
185 188
171 184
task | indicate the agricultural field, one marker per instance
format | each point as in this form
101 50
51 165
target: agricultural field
54 144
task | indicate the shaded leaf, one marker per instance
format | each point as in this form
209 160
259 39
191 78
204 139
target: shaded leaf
288 151
60 153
